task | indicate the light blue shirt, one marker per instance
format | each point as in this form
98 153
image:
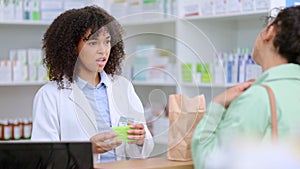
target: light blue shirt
97 97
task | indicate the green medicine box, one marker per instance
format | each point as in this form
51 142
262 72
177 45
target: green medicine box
187 73
122 133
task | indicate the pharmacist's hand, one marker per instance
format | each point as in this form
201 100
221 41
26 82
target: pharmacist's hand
137 133
104 142
229 95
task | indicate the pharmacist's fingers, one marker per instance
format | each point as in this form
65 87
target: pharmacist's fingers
136 139
116 143
136 126
137 132
102 147
101 137
112 144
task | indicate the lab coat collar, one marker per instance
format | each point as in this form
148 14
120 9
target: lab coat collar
104 80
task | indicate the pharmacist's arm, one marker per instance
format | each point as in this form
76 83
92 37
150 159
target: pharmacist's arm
45 120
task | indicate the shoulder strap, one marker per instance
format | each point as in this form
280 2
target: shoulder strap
273 113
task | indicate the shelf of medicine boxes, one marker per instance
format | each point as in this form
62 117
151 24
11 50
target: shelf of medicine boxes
21 83
204 36
231 16
31 24
142 29
153 83
148 29
24 22
135 20
208 85
130 20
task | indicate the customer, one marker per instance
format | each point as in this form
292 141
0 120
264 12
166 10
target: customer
85 97
244 110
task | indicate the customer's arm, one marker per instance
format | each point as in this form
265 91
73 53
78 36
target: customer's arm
247 115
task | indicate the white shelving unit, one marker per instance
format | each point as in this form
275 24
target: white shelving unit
151 83
193 39
201 37
24 22
3 84
149 29
16 98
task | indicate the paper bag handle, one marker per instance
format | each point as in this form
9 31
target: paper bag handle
273 113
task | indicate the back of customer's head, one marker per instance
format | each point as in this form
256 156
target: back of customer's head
287 40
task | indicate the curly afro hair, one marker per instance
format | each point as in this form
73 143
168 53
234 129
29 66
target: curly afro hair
61 40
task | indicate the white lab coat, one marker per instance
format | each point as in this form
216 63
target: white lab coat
65 115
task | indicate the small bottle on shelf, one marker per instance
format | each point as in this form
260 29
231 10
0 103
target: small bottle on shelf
6 130
1 128
26 129
11 126
16 130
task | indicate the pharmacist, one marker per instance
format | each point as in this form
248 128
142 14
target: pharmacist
85 98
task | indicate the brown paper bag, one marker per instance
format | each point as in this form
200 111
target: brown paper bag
184 114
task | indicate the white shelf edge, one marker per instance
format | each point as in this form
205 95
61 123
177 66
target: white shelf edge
124 23
151 83
15 141
21 83
148 21
186 84
227 15
24 22
142 21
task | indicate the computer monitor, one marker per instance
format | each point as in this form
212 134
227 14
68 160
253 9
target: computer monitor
46 155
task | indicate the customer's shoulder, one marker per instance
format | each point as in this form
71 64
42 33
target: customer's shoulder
255 93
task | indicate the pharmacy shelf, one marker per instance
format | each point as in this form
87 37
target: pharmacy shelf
185 84
17 141
153 83
208 85
24 22
124 22
139 22
146 18
174 34
230 16
21 83
215 33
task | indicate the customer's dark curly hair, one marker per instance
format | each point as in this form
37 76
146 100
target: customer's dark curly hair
287 39
63 35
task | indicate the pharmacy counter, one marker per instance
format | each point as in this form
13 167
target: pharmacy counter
151 163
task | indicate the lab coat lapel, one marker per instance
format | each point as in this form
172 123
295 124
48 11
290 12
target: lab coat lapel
84 111
114 115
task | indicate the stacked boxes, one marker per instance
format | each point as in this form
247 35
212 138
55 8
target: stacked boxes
23 65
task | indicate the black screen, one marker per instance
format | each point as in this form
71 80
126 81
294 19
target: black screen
46 155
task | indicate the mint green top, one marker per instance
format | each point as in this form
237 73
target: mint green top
249 115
